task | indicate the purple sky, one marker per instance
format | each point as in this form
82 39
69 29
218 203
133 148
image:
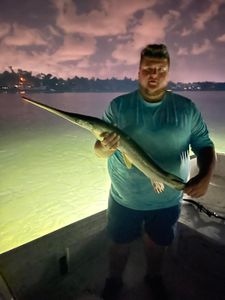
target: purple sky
103 38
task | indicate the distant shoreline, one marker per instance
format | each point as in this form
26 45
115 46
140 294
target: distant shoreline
11 82
98 91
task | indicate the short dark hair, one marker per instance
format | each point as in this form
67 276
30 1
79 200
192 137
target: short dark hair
156 51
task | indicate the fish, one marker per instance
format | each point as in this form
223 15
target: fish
133 154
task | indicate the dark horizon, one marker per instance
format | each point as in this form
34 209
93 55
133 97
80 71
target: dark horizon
25 81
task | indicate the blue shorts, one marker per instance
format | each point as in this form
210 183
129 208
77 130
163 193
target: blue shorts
126 225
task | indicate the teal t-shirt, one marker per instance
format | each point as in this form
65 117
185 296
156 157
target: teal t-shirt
165 130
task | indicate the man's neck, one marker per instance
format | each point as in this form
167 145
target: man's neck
152 97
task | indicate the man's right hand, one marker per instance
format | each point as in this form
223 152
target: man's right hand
108 144
110 141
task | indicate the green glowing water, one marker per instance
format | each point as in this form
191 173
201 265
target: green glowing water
48 181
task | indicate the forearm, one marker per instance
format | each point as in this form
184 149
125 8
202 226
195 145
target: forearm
101 152
197 186
206 162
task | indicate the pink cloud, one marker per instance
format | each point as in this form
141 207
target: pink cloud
70 42
75 48
24 36
105 69
72 49
112 19
17 58
208 14
150 29
193 71
30 61
185 32
126 53
182 51
4 29
221 38
201 48
53 30
185 3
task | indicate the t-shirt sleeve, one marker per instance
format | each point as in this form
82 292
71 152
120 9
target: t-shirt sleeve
110 114
199 132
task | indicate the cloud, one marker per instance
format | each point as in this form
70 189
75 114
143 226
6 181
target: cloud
201 48
150 29
53 30
4 29
221 38
182 51
112 19
185 32
24 36
105 69
75 48
58 65
126 53
185 3
204 17
65 61
105 41
17 58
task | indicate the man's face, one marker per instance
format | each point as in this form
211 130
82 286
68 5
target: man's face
153 74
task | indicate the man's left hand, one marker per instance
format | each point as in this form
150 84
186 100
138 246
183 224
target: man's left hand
197 186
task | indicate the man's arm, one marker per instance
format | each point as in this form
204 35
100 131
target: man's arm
107 146
198 185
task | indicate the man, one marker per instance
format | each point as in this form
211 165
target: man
165 125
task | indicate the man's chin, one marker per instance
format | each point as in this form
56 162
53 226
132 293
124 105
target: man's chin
153 89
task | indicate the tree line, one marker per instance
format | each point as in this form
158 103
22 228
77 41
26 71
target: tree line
10 81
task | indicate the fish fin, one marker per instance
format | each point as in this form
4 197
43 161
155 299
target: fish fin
157 186
127 161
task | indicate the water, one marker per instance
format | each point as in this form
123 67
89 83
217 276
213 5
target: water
49 174
212 107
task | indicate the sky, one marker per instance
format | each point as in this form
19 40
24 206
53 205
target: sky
103 38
